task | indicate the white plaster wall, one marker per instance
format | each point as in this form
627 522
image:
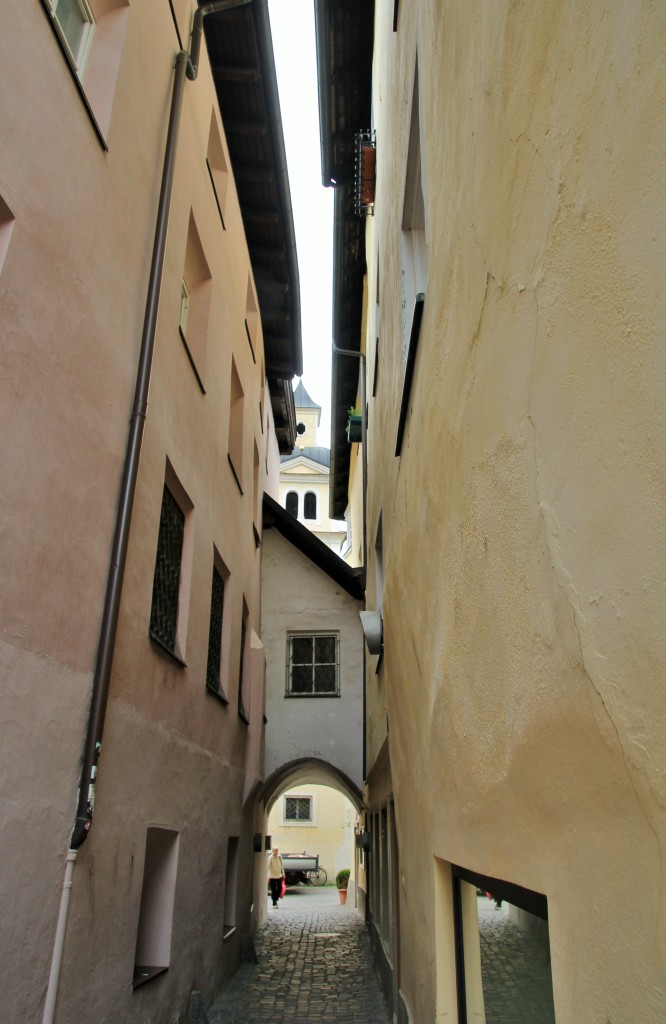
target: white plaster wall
524 528
296 595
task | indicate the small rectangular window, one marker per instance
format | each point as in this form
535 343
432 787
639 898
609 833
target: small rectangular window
312 668
173 569
153 941
235 443
298 808
242 712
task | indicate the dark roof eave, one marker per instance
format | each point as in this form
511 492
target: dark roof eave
265 47
351 580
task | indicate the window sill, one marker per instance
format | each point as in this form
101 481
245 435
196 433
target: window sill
311 696
162 647
142 975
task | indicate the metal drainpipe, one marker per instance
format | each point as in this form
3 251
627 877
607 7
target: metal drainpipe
364 462
184 66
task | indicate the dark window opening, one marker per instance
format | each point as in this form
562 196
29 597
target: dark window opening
215 633
166 582
310 506
292 504
298 808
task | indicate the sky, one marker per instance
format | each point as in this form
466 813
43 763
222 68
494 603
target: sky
292 28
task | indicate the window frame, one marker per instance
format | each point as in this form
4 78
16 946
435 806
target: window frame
310 495
310 821
312 634
79 59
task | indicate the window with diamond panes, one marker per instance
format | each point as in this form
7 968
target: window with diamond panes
166 582
310 506
298 808
313 665
215 633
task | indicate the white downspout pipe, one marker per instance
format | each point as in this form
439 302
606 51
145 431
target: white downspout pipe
59 944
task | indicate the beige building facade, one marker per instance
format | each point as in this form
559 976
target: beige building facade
130 265
318 820
510 304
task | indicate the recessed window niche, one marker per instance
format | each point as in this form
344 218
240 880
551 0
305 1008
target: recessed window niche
153 941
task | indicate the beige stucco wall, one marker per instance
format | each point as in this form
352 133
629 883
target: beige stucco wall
298 596
330 834
72 291
524 522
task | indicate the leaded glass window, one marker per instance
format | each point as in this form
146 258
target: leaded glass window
166 582
312 669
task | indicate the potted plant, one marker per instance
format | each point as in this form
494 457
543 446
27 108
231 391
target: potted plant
354 426
342 881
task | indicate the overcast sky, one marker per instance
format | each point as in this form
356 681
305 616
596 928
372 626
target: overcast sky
292 27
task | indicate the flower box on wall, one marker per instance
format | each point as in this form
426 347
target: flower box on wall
354 429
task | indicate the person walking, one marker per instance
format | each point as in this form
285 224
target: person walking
275 875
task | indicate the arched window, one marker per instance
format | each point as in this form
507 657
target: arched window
292 504
310 506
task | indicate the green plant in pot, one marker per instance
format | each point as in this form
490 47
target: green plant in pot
342 881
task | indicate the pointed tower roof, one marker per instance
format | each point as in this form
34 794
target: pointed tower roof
302 399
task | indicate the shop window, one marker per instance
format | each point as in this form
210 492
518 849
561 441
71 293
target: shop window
496 923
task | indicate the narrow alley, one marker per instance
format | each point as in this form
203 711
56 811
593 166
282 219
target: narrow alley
314 967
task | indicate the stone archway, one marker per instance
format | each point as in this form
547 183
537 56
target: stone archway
312 770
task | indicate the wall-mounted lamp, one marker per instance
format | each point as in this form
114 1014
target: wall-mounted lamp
373 630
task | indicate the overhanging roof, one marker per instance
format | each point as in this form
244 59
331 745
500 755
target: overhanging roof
345 33
349 579
240 50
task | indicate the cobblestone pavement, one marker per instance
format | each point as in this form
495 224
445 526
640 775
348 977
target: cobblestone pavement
315 967
517 986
